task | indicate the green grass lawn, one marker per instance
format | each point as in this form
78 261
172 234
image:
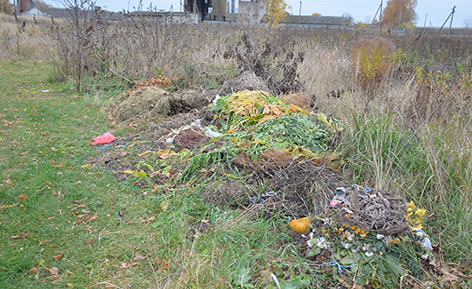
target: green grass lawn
78 227
81 215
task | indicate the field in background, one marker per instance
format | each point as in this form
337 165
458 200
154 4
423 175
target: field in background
410 134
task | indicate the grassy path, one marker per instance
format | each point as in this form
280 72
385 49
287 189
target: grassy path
70 219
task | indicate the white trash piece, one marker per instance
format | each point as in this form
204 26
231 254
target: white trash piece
215 101
422 239
211 134
198 124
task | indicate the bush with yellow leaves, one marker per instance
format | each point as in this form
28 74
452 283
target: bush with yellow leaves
371 61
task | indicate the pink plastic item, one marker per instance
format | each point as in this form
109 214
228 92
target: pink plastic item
103 139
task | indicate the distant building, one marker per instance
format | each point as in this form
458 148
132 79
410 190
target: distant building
317 21
24 5
218 10
251 11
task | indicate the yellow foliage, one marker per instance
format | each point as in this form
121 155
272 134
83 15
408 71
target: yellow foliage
316 14
6 6
415 216
399 12
371 61
275 11
252 104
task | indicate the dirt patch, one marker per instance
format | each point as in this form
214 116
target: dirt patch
115 159
307 188
228 193
301 187
190 139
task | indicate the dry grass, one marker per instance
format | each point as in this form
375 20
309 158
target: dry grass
25 40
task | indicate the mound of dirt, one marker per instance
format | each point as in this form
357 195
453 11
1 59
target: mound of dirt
245 81
147 101
151 104
301 99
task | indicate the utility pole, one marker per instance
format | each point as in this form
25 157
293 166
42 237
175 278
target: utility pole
380 15
400 18
379 11
425 18
451 14
452 17
300 14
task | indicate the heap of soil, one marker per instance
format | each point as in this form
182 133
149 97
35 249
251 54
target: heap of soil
287 186
151 104
245 81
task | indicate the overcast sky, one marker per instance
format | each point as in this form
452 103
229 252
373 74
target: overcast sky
360 10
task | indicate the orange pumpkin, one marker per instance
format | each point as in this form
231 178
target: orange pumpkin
300 225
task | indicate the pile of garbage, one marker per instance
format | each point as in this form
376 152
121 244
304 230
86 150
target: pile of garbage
369 237
251 148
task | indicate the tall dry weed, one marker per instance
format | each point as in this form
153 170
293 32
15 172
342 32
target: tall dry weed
25 39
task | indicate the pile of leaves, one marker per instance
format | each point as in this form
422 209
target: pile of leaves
253 121
247 126
159 82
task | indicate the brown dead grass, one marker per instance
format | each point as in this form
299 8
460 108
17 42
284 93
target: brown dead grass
25 40
300 99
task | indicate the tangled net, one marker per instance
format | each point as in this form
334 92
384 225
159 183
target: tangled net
376 211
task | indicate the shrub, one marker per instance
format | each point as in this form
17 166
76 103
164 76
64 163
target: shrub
5 6
371 61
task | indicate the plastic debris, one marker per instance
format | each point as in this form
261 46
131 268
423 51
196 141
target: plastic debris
215 101
333 263
422 239
211 134
103 139
104 147
338 198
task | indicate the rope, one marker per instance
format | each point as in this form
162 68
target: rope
335 263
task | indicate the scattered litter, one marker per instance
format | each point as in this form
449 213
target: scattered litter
104 147
103 139
333 263
211 134
422 239
215 101
255 200
269 194
338 198
44 90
